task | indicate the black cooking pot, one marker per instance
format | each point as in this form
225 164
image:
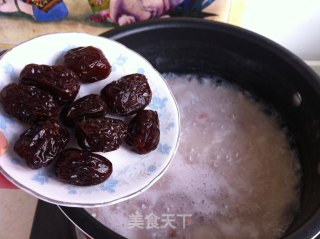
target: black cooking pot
256 64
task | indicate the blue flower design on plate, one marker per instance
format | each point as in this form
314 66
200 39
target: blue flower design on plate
3 122
164 148
71 190
158 103
152 168
170 126
41 178
141 71
9 69
120 61
15 161
109 185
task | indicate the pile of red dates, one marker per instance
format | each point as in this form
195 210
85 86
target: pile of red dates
45 98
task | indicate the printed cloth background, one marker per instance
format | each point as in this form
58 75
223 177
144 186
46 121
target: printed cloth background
21 20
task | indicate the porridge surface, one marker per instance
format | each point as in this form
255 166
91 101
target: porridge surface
234 174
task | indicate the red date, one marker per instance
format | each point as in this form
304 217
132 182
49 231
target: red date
143 132
41 144
82 168
89 63
28 103
101 134
127 95
58 80
86 107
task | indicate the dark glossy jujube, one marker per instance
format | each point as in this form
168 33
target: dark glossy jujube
42 143
127 95
58 80
85 107
82 168
143 132
100 134
28 103
89 63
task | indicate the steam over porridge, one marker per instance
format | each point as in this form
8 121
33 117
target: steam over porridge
234 174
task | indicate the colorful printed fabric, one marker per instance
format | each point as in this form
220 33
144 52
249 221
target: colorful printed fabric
99 5
116 12
56 12
123 12
44 5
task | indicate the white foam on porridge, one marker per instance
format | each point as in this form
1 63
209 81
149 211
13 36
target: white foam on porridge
234 174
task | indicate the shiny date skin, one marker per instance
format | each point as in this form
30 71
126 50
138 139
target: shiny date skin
88 62
127 95
28 103
82 168
42 143
143 132
58 80
85 107
100 134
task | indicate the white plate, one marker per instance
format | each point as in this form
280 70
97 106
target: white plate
132 173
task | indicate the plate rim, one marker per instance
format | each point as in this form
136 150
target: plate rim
119 199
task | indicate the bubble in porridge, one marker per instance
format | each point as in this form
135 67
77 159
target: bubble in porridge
234 174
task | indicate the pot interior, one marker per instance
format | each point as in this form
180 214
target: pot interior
269 72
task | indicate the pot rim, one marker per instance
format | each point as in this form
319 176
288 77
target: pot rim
311 228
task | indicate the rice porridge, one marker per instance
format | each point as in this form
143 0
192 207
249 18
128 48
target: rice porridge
234 174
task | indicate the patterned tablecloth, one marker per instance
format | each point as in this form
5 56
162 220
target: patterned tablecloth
21 20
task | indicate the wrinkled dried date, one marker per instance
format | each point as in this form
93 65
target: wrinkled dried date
143 132
58 80
28 103
85 107
82 168
127 95
41 144
101 134
88 62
